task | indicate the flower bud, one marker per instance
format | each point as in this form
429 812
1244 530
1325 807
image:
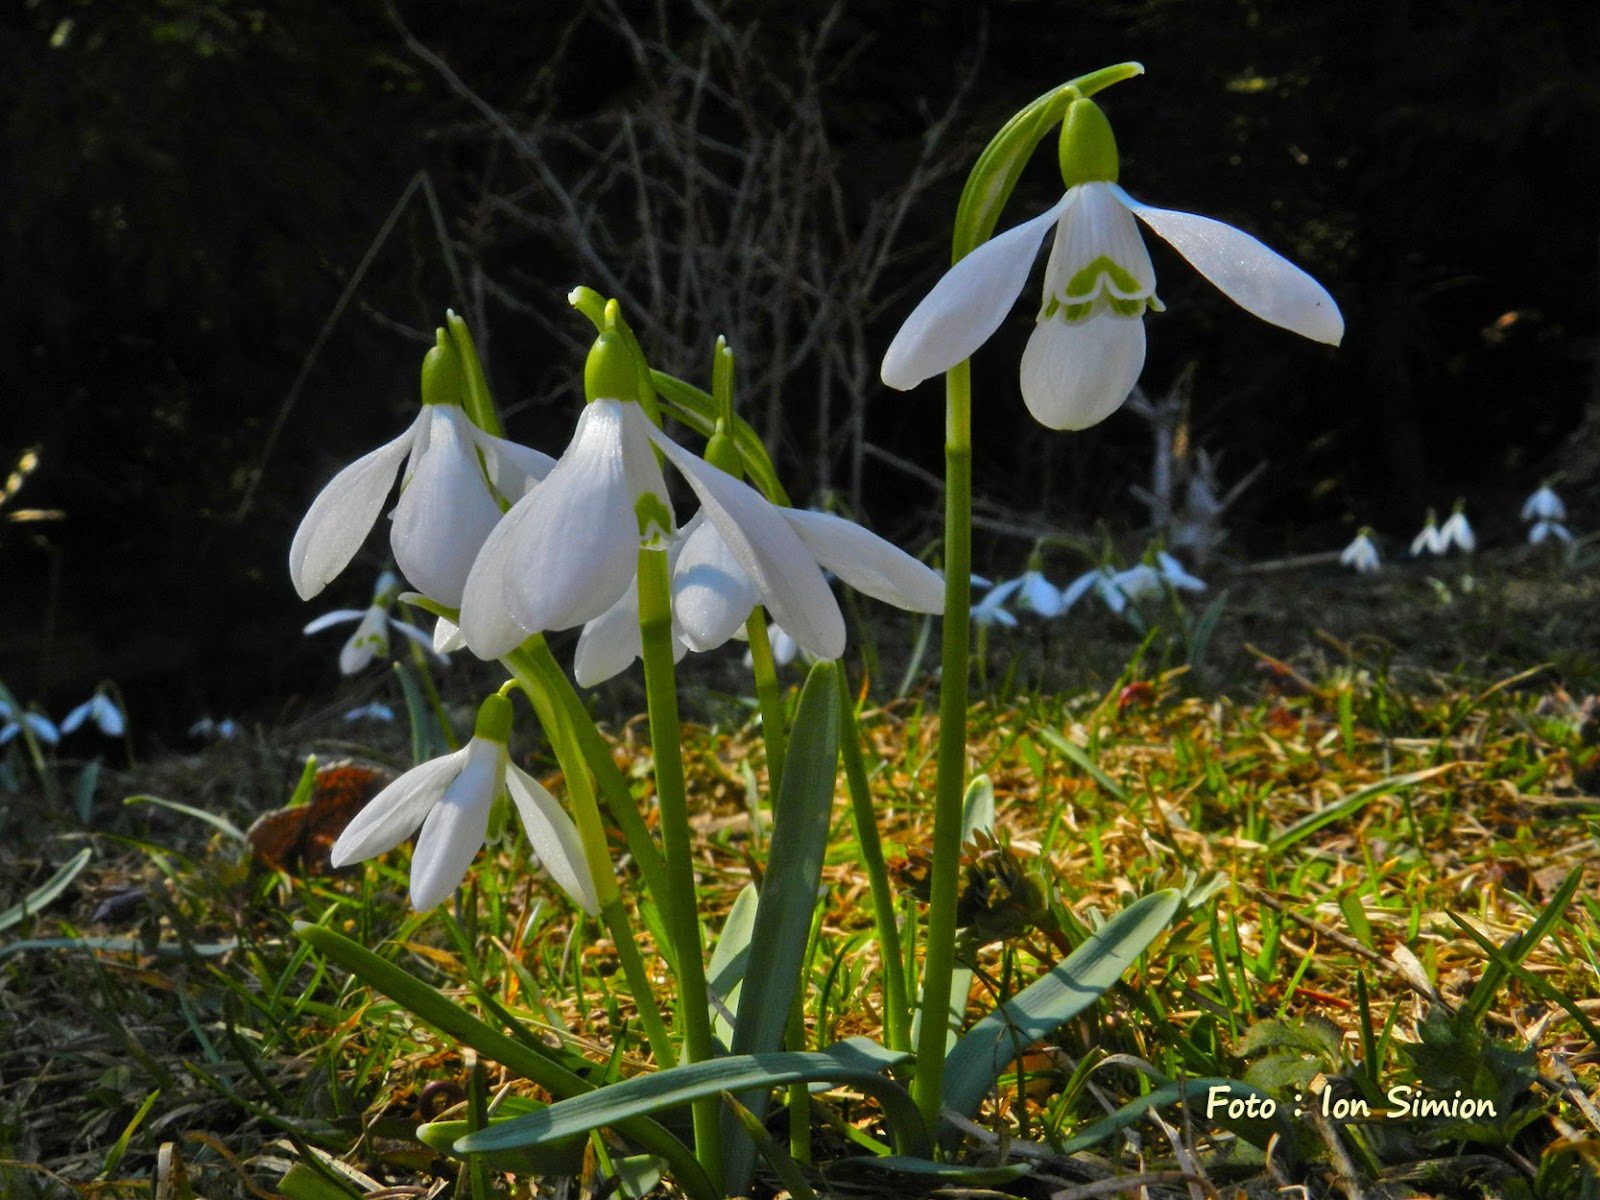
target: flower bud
1088 147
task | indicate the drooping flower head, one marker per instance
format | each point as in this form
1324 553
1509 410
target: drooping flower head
370 641
538 572
451 798
1088 345
1361 554
453 482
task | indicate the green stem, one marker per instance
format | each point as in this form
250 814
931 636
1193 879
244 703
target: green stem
586 812
896 1013
774 724
951 780
680 904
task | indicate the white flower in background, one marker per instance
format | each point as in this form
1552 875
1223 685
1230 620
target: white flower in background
371 712
224 730
1144 579
446 508
1088 346
1361 553
783 647
1428 540
102 710
451 798
371 637
40 726
1456 532
989 610
1544 505
1103 580
1033 592
1542 531
534 574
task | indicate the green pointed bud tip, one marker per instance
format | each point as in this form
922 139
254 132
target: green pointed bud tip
610 373
723 453
494 719
1088 147
441 373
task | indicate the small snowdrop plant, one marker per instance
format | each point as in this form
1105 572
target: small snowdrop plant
1361 554
1546 516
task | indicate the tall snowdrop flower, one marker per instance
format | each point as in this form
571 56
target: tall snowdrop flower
371 637
447 506
1544 505
451 799
1428 541
1361 554
102 710
1456 532
1088 346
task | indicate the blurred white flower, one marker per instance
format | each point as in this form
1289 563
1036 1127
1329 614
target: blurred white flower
451 798
102 710
224 730
1542 531
989 611
370 712
1456 532
1428 540
446 507
1103 580
1361 553
40 726
1033 592
1544 505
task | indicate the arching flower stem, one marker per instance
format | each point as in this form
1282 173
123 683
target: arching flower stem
680 901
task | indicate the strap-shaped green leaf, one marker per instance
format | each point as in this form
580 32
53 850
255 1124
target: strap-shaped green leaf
1076 982
30 904
1197 1093
433 1008
858 1062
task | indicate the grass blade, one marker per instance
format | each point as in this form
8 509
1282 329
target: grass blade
47 891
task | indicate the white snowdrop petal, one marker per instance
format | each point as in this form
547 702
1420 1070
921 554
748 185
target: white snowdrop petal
712 597
445 511
771 554
342 515
454 830
967 305
610 643
867 562
336 617
393 815
1076 374
1253 276
554 838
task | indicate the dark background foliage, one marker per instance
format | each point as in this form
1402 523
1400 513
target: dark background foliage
190 187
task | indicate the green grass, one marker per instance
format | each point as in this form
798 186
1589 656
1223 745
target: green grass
1363 844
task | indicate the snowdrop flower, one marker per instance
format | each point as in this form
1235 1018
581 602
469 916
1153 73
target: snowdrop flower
1542 531
446 507
451 798
1103 580
40 726
784 648
1544 505
534 575
371 637
1032 590
1173 573
1456 532
102 710
1427 541
371 712
1143 579
1361 553
988 611
1088 346
224 730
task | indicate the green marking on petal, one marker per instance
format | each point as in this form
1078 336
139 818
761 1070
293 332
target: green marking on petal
655 520
1087 281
